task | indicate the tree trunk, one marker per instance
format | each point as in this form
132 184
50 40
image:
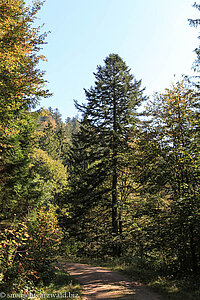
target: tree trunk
192 249
115 225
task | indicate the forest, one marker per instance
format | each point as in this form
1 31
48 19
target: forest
120 181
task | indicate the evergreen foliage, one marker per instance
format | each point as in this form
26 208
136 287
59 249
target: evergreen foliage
102 142
118 182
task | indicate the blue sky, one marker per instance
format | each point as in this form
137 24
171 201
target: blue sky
153 37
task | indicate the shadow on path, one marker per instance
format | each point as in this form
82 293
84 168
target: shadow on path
99 283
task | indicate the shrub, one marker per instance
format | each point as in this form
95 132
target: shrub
27 250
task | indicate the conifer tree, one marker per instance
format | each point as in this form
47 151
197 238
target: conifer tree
102 141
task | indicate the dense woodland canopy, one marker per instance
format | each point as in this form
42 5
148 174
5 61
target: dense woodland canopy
120 181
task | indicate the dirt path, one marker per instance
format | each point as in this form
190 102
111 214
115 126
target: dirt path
99 283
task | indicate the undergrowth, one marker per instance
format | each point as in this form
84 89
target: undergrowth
169 287
62 286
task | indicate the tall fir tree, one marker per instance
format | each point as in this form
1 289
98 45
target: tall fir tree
99 147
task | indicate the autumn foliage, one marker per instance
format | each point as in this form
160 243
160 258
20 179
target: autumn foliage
26 251
119 183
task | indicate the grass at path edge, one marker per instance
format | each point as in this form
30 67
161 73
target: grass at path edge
62 284
169 288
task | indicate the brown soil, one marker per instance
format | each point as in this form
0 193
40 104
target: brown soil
99 283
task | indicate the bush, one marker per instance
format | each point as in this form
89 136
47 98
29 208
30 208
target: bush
27 250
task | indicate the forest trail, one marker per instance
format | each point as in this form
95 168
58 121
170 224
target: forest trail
100 283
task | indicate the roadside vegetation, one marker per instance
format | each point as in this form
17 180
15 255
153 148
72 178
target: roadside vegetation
62 284
120 184
168 286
